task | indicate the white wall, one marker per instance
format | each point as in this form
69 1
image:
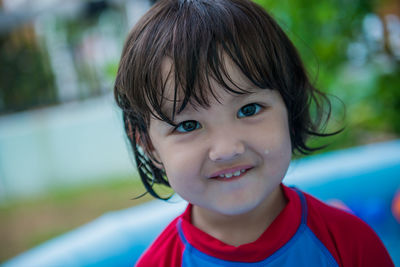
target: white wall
61 146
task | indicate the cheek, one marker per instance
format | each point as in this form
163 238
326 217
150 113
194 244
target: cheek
281 148
280 133
274 145
183 167
282 153
275 138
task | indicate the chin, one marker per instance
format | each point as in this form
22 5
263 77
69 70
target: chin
234 210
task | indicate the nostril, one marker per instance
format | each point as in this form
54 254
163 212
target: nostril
223 152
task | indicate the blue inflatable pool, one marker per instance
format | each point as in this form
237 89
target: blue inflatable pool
363 179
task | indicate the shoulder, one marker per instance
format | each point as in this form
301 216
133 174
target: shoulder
350 240
337 220
167 249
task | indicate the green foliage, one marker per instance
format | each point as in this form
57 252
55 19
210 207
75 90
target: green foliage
320 30
323 32
388 96
26 80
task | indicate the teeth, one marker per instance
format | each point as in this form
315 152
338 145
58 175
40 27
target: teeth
229 175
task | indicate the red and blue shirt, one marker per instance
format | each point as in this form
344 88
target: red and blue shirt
307 232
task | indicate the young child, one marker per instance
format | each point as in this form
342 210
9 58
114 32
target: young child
215 100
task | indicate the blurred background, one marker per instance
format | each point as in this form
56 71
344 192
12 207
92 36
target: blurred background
64 160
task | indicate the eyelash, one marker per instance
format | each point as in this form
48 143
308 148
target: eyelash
179 127
176 129
257 110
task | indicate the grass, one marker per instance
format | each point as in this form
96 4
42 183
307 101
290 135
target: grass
28 222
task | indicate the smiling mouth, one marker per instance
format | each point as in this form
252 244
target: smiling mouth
232 175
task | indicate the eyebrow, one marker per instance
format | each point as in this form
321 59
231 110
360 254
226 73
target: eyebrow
168 106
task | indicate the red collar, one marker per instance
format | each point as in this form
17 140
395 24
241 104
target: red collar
274 237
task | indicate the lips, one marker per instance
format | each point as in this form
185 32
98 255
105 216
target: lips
230 173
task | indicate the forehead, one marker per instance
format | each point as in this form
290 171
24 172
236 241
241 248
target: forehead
231 79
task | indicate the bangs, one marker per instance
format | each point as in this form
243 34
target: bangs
197 38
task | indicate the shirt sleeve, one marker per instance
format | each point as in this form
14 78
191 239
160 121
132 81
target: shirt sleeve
350 240
166 250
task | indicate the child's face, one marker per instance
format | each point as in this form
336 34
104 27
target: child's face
244 138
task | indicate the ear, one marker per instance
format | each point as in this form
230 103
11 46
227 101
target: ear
149 149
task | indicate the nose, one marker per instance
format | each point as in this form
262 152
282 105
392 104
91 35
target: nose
226 147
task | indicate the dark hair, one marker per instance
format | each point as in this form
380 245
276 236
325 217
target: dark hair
196 35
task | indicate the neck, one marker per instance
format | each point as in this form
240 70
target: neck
240 229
